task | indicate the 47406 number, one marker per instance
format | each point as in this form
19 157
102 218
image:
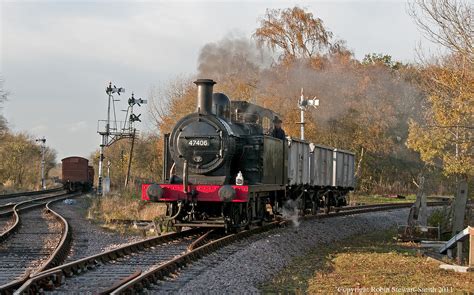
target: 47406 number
198 142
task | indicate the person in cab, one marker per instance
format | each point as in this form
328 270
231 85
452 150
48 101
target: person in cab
277 131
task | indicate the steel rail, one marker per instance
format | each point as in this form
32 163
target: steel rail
18 208
163 270
5 210
50 278
31 193
388 205
60 252
200 241
197 249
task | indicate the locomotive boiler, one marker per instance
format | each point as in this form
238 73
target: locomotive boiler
209 150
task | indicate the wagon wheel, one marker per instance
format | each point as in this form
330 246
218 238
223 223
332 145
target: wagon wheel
314 207
301 204
327 205
327 209
338 203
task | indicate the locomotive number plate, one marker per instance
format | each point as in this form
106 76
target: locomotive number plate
198 142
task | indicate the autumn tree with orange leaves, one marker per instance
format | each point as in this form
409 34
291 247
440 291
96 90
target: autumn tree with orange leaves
444 133
293 31
365 105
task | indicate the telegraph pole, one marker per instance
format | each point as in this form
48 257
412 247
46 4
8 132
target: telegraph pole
303 103
42 142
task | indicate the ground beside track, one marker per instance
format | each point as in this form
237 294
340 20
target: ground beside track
88 237
374 262
245 265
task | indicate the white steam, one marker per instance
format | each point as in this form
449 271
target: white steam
290 212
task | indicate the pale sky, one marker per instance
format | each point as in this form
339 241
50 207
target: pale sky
57 56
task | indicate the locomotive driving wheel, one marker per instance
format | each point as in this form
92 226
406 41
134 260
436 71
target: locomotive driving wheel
247 215
233 217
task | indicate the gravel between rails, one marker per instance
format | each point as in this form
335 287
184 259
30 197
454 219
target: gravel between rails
105 275
88 238
28 248
242 266
5 223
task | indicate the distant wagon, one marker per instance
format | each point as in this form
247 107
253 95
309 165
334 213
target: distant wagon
77 175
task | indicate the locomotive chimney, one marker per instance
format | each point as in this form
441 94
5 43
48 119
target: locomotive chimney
204 97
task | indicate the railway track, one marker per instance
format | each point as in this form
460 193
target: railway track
9 213
7 204
50 190
133 267
19 197
101 273
35 240
88 238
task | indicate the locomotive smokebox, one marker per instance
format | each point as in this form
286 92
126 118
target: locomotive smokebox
204 97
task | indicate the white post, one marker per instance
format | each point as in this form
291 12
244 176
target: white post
301 115
302 124
302 104
43 161
105 137
43 180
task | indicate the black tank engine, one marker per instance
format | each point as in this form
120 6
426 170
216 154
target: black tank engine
219 140
222 169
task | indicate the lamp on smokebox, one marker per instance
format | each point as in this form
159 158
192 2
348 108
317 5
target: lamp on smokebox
303 104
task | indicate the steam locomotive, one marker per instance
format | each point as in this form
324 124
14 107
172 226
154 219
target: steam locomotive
221 169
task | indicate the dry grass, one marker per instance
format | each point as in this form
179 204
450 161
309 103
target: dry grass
366 262
124 207
378 199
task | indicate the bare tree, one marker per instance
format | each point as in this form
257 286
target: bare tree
171 101
3 98
449 23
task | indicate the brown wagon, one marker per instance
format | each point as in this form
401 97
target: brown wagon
77 174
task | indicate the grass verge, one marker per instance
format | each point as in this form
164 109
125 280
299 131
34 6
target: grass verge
378 199
124 207
369 263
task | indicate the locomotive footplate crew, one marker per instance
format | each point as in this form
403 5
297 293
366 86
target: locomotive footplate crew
277 131
223 167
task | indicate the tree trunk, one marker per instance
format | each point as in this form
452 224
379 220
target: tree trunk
459 206
359 163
